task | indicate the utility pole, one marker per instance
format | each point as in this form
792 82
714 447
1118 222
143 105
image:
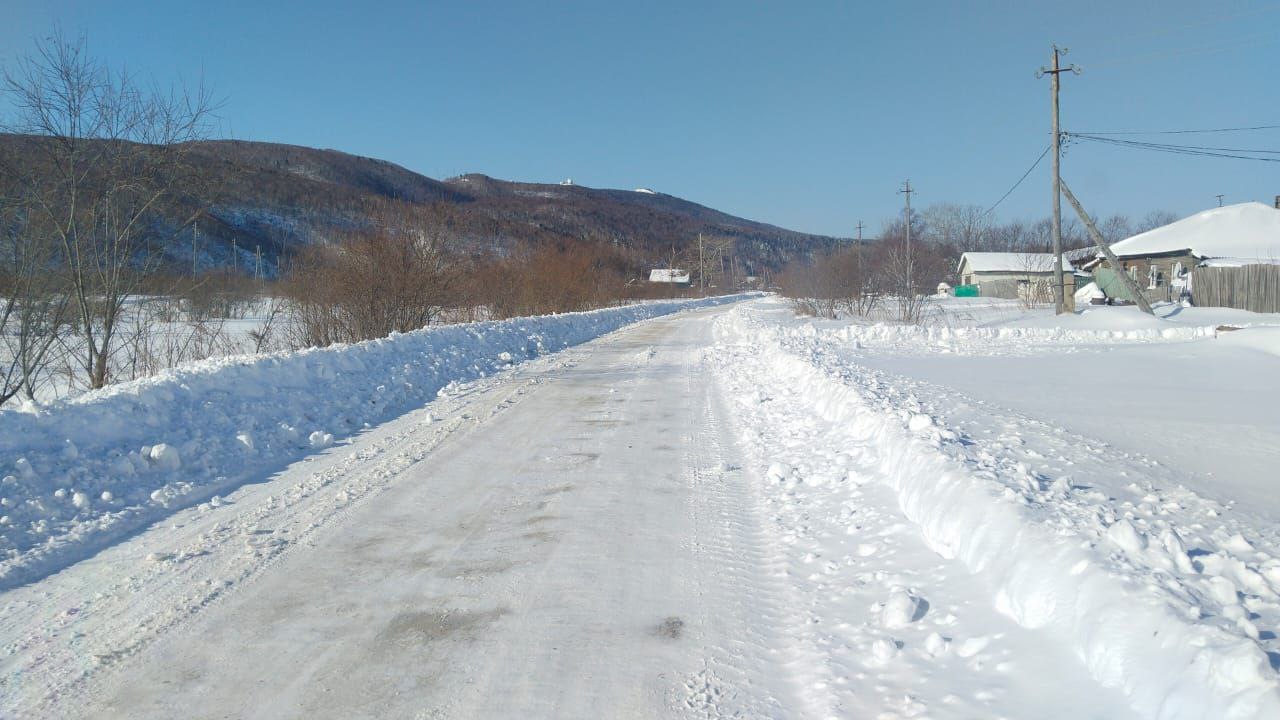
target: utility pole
257 269
702 286
906 191
1220 200
195 244
858 259
235 257
1059 302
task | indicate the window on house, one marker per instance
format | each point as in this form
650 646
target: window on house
1153 277
1179 270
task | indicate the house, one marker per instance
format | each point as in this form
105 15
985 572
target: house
1162 260
670 275
1013 275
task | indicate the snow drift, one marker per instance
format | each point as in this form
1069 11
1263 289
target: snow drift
81 473
1141 615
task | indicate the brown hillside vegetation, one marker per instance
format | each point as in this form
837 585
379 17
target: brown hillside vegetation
279 199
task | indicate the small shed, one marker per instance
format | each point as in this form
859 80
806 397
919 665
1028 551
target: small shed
1013 275
670 276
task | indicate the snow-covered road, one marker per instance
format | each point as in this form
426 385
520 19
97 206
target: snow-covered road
689 517
571 541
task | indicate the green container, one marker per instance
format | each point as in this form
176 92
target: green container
966 291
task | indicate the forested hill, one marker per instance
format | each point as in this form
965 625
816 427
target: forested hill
279 198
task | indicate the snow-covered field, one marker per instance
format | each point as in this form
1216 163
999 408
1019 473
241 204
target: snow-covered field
728 512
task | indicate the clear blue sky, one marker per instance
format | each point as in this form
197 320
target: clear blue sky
803 114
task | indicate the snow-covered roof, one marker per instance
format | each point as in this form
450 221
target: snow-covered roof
1239 262
1246 230
1081 255
1011 262
669 275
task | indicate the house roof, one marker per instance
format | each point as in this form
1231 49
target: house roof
669 275
1080 255
1012 262
1246 230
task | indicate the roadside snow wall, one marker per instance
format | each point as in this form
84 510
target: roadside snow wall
79 474
1132 631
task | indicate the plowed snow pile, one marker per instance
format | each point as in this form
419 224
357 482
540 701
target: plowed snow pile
1167 598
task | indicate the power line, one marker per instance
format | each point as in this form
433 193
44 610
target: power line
1147 143
1182 132
1034 165
1180 149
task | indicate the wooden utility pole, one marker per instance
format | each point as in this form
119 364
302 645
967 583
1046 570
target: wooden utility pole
195 246
1220 200
906 191
702 286
858 259
1059 301
1106 251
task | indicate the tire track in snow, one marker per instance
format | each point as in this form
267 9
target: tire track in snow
887 627
749 672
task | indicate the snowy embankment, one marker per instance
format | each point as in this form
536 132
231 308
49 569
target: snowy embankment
986 340
81 473
1159 597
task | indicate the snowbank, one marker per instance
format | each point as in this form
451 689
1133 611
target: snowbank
1171 632
81 473
1010 339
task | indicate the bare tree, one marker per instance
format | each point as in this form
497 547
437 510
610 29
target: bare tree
33 308
1155 219
108 153
1034 288
394 278
1116 228
967 227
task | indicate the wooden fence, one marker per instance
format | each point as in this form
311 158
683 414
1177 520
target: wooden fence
1252 287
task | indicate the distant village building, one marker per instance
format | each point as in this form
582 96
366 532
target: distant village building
1164 261
1012 275
670 276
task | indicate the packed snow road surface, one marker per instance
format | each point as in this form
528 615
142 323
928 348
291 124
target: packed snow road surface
704 515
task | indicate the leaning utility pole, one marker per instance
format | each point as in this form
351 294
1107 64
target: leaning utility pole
1059 301
906 191
1107 253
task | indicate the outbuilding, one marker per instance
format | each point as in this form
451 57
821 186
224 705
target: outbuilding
670 276
1013 275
